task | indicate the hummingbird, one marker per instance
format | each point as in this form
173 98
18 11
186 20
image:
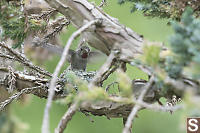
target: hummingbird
78 59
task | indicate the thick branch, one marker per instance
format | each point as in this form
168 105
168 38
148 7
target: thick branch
28 81
109 35
103 107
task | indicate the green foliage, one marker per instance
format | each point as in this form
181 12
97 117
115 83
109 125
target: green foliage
80 123
173 68
162 8
124 84
156 8
94 94
151 55
185 45
184 57
82 93
13 23
37 24
153 8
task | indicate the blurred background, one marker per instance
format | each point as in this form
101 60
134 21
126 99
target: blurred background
148 121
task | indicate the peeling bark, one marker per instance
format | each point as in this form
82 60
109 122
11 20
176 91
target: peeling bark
107 108
105 37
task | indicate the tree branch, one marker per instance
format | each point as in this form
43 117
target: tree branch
137 106
45 125
106 37
20 58
116 107
66 118
16 96
97 80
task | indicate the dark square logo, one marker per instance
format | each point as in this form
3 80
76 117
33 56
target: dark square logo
193 125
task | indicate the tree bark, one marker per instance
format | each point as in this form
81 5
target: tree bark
110 34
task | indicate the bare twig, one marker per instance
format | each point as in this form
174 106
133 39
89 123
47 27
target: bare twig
103 2
44 15
149 106
110 71
137 106
57 26
124 123
158 107
7 56
20 58
11 80
16 96
103 70
45 125
81 42
66 118
10 50
108 86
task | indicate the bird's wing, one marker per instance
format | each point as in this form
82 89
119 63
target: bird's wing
53 48
58 50
96 56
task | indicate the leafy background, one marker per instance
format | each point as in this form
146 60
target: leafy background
153 29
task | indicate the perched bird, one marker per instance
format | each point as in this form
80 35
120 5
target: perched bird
78 59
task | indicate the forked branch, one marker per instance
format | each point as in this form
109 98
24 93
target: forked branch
45 125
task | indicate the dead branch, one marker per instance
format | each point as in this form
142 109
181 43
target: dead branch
44 15
111 84
23 60
45 125
109 72
56 27
106 36
16 96
103 2
26 81
114 108
66 118
158 107
97 80
137 106
111 34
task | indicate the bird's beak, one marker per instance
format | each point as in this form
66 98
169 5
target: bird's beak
86 51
